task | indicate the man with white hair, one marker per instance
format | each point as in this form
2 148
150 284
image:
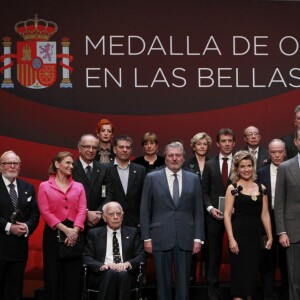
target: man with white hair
113 254
19 217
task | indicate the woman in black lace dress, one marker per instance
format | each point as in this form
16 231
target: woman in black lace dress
249 202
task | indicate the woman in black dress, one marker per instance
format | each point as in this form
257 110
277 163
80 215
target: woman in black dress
150 160
250 204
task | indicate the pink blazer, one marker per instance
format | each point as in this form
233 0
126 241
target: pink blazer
55 206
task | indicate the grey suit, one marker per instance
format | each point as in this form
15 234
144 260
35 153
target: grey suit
172 228
287 218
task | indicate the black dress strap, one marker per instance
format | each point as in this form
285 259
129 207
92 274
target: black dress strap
261 189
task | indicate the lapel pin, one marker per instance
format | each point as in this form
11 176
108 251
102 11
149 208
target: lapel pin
134 171
127 237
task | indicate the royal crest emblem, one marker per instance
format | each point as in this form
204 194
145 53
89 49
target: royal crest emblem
36 56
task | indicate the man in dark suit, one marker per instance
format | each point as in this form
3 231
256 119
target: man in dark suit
267 176
287 216
172 221
19 217
95 178
291 149
127 180
214 184
252 138
113 264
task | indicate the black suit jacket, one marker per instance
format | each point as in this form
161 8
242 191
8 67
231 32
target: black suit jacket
264 177
100 177
262 157
131 201
193 165
14 248
212 184
95 249
290 147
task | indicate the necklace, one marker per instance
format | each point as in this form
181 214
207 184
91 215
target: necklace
254 197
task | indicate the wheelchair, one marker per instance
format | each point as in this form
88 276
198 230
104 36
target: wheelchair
136 293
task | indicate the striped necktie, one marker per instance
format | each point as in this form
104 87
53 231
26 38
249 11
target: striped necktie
13 195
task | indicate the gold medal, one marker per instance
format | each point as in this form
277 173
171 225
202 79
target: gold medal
254 197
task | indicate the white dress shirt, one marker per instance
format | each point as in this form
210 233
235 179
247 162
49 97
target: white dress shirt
109 258
171 177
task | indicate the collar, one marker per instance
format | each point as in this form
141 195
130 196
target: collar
298 155
7 182
116 164
251 150
84 164
273 167
110 231
170 173
229 156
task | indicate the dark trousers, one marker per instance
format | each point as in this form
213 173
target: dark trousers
11 279
62 278
215 235
163 266
112 285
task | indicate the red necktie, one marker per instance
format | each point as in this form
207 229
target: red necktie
225 171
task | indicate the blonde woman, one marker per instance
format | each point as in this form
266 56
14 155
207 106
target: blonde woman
249 202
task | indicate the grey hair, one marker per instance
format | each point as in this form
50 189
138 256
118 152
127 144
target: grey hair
175 144
106 205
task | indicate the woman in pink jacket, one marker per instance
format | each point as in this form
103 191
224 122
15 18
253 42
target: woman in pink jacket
62 204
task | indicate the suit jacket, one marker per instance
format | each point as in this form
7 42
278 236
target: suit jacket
264 177
95 249
193 165
287 199
131 201
290 147
14 248
100 177
165 223
212 184
262 157
56 206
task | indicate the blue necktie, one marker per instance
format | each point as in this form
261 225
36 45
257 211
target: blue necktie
88 172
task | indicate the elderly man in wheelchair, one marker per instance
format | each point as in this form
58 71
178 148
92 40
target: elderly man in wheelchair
113 256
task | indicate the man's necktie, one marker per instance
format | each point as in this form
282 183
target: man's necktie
116 249
253 152
13 195
175 189
225 171
88 172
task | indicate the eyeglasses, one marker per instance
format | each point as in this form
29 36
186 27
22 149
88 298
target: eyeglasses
94 148
252 134
11 163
